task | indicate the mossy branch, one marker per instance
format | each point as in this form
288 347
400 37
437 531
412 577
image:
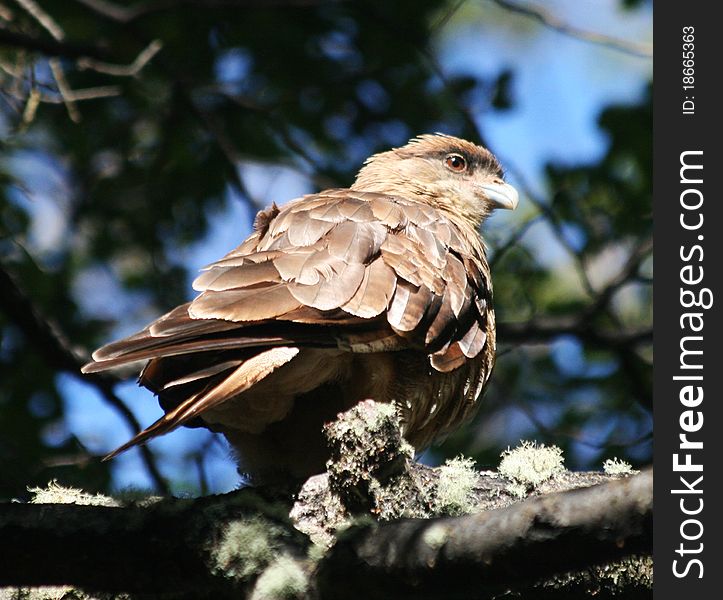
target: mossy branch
486 552
532 528
171 548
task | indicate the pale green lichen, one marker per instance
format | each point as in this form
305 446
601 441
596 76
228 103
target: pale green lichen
385 411
317 551
615 466
455 487
519 490
284 579
407 449
367 420
246 547
55 493
529 465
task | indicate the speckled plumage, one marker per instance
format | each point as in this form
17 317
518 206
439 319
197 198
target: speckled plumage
379 291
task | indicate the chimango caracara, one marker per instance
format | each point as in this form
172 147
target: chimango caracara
378 291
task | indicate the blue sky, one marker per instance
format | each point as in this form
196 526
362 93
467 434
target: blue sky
560 85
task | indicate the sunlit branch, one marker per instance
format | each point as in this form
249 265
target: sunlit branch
43 18
131 70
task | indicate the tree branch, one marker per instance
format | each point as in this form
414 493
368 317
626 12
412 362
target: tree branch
232 544
550 21
43 18
627 273
131 70
50 47
555 223
127 14
545 329
188 548
89 57
54 346
524 542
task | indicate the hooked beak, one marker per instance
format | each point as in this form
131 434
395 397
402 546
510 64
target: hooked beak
501 195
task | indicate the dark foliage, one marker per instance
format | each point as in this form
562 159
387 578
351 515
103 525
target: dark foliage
316 85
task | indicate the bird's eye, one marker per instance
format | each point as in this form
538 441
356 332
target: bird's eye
456 163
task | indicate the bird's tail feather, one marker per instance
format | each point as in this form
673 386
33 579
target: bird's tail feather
246 375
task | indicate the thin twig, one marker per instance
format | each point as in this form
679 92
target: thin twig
555 223
48 94
115 12
225 144
127 14
101 91
199 458
31 106
91 57
5 13
131 70
43 18
445 18
14 70
57 33
626 274
555 433
49 47
436 68
512 241
544 329
550 21
51 343
65 92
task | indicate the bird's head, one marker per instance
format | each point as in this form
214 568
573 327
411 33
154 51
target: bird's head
450 173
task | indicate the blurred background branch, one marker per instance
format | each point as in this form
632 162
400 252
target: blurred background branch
48 340
548 19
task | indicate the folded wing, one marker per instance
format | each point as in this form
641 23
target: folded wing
356 271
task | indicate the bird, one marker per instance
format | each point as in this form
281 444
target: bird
378 291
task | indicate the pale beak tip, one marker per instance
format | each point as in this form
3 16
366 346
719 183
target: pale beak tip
501 195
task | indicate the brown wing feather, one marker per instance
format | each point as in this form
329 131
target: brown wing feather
250 304
358 252
242 378
374 292
359 271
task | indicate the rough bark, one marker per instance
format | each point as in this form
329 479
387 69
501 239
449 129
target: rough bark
486 552
513 532
209 547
